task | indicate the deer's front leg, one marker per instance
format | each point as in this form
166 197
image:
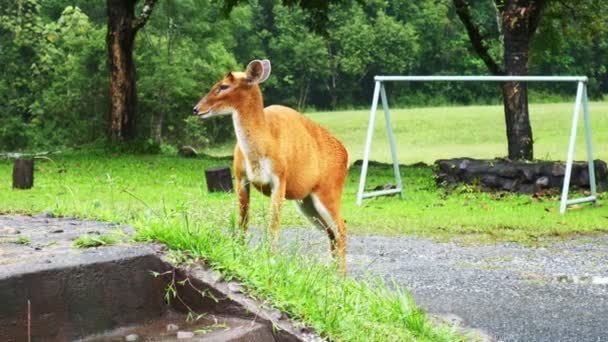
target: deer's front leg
242 189
277 197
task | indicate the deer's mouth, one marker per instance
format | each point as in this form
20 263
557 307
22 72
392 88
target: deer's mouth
206 114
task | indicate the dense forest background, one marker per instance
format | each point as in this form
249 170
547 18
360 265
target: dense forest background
54 81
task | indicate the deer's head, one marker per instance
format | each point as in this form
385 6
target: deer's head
234 90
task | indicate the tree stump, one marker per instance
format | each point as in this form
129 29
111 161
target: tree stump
23 174
219 179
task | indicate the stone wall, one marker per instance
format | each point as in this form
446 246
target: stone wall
520 177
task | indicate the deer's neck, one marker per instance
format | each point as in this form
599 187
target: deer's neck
250 128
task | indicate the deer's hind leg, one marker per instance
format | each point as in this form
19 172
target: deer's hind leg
307 208
324 212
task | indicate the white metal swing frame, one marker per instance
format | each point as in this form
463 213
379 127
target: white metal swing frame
581 98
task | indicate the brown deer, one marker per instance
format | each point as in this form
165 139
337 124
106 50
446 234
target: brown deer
282 153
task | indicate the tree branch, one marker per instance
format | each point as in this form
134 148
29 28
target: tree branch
535 16
140 21
462 9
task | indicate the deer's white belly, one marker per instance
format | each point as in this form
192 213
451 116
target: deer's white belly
260 171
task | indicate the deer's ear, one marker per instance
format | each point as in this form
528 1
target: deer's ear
258 71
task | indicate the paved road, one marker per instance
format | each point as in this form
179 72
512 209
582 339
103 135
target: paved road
514 293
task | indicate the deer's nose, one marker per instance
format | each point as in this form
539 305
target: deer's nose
194 110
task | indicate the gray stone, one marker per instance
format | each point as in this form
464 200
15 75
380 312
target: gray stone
234 287
464 164
172 327
542 182
558 169
184 335
519 177
6 230
132 337
187 151
275 314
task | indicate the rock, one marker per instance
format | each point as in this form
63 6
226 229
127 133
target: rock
172 327
6 230
558 169
184 335
132 337
275 314
542 182
385 187
187 151
514 176
527 189
601 169
507 170
509 185
490 180
449 319
234 287
529 173
464 164
45 214
419 165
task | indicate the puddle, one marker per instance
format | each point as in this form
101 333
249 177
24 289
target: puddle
171 327
594 280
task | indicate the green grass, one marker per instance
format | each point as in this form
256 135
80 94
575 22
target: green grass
22 240
306 288
88 241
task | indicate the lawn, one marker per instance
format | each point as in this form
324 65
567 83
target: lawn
431 133
165 197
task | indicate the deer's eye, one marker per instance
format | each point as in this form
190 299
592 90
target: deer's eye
223 87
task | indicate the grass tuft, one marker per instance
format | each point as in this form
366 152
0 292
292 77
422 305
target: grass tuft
22 240
88 241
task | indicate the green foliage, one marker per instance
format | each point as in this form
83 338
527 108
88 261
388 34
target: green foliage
54 78
301 56
27 57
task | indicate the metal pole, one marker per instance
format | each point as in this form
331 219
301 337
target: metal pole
383 78
368 143
391 139
577 105
592 184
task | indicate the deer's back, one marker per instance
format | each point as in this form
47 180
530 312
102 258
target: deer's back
308 150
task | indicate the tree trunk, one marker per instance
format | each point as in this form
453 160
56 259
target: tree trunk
516 30
157 127
119 41
23 174
518 21
218 179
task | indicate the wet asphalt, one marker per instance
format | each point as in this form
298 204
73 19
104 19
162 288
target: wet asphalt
557 292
